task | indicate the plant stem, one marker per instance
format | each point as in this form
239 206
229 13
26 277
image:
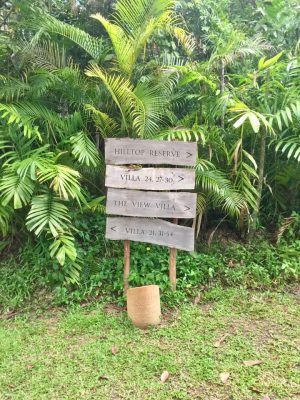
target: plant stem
261 170
222 88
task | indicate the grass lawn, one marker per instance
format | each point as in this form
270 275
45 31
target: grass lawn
68 354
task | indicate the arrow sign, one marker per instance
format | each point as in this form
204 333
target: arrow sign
151 204
150 230
150 178
137 151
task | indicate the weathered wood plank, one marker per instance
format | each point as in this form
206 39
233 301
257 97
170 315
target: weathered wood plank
150 230
150 178
137 151
136 203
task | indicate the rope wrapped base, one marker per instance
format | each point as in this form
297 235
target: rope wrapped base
143 306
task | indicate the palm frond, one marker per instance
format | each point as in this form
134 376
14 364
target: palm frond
12 89
17 189
218 188
148 110
119 88
84 149
25 114
34 161
17 116
45 54
63 180
96 205
106 125
133 15
64 250
133 24
287 116
47 213
181 133
123 45
5 216
95 47
290 146
244 172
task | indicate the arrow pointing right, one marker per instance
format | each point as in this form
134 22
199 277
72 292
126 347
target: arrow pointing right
189 154
186 208
181 178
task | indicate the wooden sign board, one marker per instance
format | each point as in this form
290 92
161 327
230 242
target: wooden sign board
150 178
151 204
136 151
150 230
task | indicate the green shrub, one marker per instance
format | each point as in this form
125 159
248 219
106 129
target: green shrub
256 265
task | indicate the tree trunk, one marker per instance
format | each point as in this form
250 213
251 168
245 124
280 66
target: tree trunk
261 171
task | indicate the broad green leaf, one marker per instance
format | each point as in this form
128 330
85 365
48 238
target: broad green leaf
240 121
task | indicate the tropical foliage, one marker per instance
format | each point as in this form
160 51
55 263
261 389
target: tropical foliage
221 73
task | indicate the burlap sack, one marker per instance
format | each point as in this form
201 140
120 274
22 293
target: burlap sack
143 306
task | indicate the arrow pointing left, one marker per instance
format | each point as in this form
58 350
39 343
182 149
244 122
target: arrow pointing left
113 228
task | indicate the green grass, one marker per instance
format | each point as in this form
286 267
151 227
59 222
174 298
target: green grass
67 354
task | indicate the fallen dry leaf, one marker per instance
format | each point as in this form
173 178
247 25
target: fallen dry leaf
221 340
164 376
251 363
197 299
266 398
29 366
224 376
114 350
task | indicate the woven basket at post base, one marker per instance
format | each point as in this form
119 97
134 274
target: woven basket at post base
143 306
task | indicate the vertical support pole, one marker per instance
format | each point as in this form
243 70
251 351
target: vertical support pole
126 265
172 263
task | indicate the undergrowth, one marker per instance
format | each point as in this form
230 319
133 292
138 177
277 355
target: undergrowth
25 275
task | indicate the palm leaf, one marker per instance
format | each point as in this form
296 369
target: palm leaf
12 89
106 125
84 149
16 188
148 110
5 216
95 47
218 188
48 213
63 180
119 88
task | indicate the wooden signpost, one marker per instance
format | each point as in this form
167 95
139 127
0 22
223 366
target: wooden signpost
136 151
150 178
140 195
136 203
150 230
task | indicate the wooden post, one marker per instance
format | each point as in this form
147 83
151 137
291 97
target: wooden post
172 263
126 265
